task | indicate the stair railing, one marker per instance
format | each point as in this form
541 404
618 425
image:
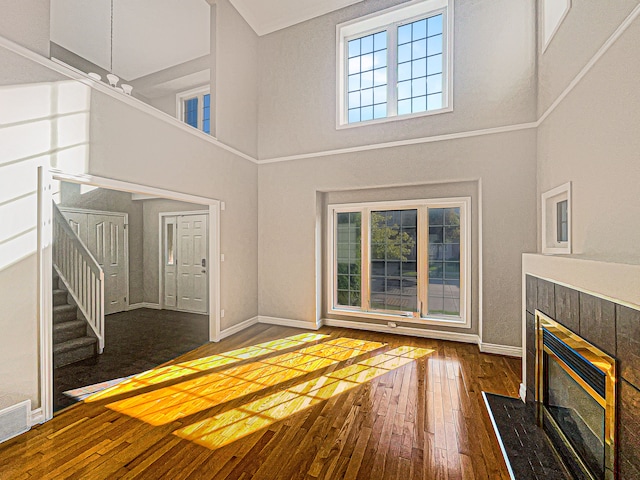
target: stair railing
80 272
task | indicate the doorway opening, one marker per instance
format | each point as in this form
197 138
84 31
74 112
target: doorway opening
116 223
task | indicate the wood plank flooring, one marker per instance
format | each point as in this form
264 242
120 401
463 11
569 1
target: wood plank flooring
280 403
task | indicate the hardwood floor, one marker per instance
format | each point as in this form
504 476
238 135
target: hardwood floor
280 403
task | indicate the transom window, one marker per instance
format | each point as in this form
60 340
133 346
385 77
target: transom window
194 108
395 63
406 259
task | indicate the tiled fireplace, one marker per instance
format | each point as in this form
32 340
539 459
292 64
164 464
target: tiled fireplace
583 346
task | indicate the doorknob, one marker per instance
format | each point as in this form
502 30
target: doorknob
204 271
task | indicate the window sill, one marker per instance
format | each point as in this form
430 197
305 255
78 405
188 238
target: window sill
396 118
442 321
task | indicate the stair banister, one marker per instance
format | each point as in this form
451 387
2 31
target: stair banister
80 272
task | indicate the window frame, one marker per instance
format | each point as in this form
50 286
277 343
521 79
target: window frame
389 20
421 317
200 93
549 210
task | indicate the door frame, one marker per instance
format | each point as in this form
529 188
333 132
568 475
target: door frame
46 177
161 265
126 240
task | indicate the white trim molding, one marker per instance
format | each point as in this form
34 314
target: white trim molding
37 417
137 306
400 330
287 322
504 350
523 392
227 332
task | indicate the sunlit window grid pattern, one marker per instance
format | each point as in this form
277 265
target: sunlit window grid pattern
348 243
206 113
367 77
191 111
394 267
444 261
420 65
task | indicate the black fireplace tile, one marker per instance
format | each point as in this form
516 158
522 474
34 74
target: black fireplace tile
532 293
629 431
628 343
531 333
546 298
568 307
598 322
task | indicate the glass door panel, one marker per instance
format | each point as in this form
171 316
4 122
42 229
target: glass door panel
394 266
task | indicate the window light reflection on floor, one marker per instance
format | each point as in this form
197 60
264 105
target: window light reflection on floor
167 404
179 370
248 418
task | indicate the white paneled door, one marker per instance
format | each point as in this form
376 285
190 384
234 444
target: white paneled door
186 263
105 234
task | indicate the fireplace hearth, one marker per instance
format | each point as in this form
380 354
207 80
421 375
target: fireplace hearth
576 399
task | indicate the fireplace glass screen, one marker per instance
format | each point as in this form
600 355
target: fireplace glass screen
578 415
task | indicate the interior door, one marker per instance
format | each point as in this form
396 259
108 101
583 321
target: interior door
104 235
106 241
193 263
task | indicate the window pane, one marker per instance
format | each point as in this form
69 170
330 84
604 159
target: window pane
444 261
348 226
424 37
169 245
393 267
368 58
563 221
206 113
191 111
435 25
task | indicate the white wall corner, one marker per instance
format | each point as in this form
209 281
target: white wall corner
496 349
238 328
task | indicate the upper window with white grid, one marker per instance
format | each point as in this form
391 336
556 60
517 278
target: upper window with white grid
395 63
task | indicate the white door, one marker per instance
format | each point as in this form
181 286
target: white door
106 241
186 263
104 235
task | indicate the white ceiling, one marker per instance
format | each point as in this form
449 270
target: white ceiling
148 35
266 16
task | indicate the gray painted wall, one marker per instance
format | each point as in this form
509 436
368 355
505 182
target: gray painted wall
113 201
592 139
504 163
235 79
585 29
152 209
26 22
493 80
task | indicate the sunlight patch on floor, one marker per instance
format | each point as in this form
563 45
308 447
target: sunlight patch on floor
179 370
167 404
239 422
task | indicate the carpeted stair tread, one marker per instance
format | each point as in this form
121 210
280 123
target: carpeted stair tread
73 344
69 330
59 297
64 313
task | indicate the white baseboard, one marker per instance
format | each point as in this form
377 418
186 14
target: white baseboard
415 332
136 306
523 392
237 328
37 416
505 350
287 322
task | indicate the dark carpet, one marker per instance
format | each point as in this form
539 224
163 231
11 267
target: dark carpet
527 450
135 341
